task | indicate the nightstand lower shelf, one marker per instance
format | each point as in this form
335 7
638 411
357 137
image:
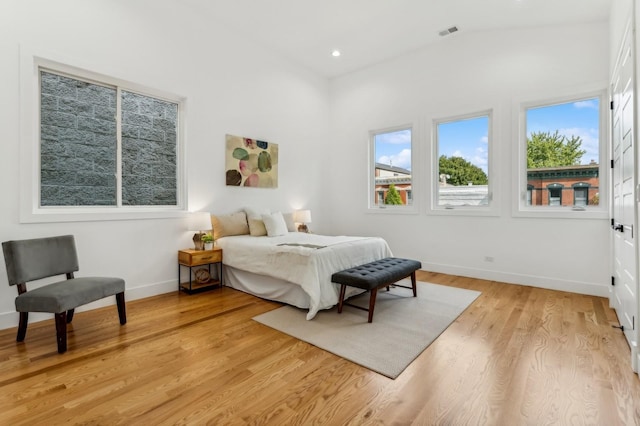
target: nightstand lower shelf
196 287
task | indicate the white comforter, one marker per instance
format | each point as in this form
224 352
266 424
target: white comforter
308 260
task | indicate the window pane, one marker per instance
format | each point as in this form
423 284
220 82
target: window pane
149 154
580 196
563 148
463 162
77 142
555 196
392 153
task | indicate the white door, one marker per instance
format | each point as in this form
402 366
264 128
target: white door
624 297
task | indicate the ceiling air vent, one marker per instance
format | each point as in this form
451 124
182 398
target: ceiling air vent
448 31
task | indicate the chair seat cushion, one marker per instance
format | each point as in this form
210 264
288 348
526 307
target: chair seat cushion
68 294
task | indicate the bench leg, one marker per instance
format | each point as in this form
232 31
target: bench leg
70 315
372 302
61 331
122 310
413 284
343 287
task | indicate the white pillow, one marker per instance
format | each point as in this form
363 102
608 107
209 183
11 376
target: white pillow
291 224
254 218
275 225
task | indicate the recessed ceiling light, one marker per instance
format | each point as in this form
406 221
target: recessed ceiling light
335 53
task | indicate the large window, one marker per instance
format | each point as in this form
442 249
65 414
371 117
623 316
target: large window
94 147
87 159
391 181
562 153
462 172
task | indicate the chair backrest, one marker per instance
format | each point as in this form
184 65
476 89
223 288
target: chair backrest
29 260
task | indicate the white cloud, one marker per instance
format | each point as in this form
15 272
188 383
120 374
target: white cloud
484 139
590 142
586 104
480 159
401 159
401 137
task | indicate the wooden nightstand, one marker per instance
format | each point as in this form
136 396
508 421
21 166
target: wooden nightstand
190 258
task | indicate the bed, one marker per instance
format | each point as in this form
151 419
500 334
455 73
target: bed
296 268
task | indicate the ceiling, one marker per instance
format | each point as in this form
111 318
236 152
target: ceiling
371 31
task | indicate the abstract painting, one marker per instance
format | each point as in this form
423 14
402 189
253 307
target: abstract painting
251 162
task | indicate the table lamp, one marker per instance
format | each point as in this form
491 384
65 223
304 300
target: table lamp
302 217
200 223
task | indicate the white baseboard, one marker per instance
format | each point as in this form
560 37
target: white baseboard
592 289
10 319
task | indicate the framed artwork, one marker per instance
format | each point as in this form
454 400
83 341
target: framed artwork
250 162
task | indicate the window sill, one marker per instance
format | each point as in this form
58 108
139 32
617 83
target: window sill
393 210
561 213
464 211
98 214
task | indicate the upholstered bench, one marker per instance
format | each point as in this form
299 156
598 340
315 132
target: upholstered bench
374 275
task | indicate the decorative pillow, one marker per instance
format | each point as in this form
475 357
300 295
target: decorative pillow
231 224
291 224
275 225
256 225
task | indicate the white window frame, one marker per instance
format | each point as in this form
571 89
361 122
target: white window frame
520 207
492 209
32 62
371 185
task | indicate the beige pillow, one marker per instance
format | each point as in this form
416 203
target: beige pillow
231 224
256 224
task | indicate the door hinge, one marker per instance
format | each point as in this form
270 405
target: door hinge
611 105
612 164
612 221
613 280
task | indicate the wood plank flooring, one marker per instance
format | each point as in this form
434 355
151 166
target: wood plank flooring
517 356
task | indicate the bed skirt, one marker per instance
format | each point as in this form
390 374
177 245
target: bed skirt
270 288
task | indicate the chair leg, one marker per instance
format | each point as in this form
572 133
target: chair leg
22 326
343 287
372 303
70 315
61 331
122 310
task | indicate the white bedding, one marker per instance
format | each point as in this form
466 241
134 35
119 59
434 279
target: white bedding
307 260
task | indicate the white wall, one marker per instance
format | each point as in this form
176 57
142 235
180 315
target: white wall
466 73
231 86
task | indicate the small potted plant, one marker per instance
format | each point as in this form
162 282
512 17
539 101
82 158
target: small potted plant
207 239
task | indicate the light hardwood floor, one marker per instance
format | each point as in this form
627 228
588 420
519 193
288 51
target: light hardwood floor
517 356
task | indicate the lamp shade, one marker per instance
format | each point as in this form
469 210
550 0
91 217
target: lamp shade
200 221
302 216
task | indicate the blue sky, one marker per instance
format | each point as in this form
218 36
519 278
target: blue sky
468 138
394 148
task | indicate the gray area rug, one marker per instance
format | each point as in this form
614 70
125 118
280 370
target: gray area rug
402 327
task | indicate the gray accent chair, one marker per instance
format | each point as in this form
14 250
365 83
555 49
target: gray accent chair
34 259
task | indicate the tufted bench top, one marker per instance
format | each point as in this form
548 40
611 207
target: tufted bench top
377 273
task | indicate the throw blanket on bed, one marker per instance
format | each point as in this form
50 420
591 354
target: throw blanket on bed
296 258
